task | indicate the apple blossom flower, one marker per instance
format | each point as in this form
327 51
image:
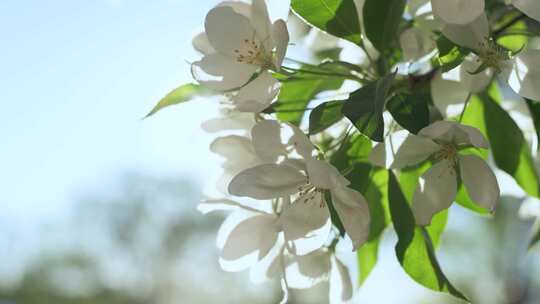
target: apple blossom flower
442 142
520 71
240 45
306 179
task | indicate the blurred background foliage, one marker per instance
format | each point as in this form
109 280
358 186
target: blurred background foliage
146 243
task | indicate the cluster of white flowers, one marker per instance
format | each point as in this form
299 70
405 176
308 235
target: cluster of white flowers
287 199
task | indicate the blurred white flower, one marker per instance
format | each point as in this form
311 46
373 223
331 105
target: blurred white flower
530 208
441 142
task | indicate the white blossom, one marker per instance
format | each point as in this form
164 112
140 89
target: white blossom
442 142
306 178
240 45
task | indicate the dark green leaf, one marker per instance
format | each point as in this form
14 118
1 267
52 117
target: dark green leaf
415 248
334 217
381 21
181 94
296 93
365 107
325 115
336 17
410 110
509 147
534 109
536 236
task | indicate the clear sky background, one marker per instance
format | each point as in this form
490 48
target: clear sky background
75 79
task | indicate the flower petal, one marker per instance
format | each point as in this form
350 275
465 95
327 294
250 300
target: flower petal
454 132
340 283
448 93
382 154
323 175
267 181
280 38
266 138
458 11
221 73
524 77
469 35
530 8
257 233
227 29
479 180
200 43
242 8
229 121
257 94
414 150
315 265
353 211
474 83
416 43
436 191
300 142
235 149
306 214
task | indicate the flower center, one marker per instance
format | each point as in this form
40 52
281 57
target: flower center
310 193
251 52
447 152
492 55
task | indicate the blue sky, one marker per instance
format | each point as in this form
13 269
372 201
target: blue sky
75 79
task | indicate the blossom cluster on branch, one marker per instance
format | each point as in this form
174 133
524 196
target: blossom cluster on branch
405 101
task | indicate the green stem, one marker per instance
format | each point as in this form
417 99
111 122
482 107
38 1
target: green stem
320 73
464 107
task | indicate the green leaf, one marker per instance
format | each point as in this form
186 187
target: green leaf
450 54
410 110
474 117
534 110
465 201
514 42
355 149
372 183
367 257
296 93
381 21
509 147
325 115
365 107
415 248
336 17
181 94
